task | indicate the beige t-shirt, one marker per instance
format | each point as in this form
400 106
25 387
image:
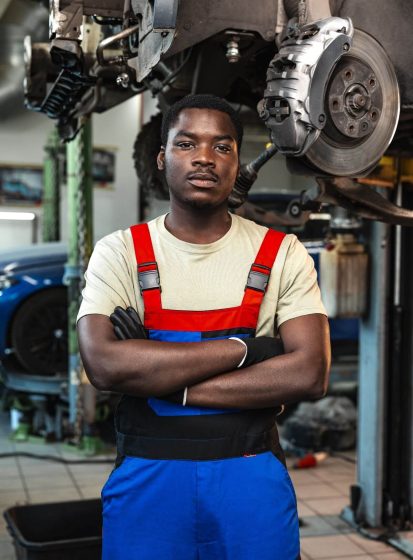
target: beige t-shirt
203 276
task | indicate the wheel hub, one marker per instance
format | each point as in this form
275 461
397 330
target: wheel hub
355 100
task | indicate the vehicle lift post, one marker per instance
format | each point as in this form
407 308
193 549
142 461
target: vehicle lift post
51 188
80 216
383 497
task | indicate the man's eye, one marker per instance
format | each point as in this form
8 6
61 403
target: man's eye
223 148
184 145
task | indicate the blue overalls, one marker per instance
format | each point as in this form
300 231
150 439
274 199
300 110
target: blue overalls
196 483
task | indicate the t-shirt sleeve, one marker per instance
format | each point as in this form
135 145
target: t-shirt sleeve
299 292
108 278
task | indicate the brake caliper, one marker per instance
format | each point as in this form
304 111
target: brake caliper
297 77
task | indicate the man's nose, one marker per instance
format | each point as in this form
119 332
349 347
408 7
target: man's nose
204 156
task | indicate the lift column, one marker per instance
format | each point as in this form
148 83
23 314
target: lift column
79 195
51 189
385 430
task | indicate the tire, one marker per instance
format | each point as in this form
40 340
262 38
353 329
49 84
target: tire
39 333
145 150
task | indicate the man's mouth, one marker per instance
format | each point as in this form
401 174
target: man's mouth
202 180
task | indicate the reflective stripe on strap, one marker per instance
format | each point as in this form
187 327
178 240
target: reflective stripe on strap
260 271
148 274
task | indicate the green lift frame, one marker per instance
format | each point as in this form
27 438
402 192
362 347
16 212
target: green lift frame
51 188
80 225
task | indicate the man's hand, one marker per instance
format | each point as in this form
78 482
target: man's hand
260 349
127 324
301 373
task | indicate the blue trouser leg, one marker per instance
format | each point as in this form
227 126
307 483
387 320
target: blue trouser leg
228 509
149 511
247 510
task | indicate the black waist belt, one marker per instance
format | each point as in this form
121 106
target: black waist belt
198 449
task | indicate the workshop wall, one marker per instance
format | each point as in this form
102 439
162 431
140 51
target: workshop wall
22 140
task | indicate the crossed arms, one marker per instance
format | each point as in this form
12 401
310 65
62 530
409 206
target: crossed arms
154 368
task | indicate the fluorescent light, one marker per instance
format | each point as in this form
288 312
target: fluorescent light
22 216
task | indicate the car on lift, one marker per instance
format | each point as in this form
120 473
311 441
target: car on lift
326 77
33 308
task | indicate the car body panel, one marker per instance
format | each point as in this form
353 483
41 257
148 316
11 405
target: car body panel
29 270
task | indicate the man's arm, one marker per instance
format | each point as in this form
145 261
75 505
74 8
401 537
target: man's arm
150 367
301 373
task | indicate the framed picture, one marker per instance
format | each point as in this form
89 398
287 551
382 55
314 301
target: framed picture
103 167
20 184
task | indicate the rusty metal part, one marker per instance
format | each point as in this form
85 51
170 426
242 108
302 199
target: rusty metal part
271 218
355 100
361 200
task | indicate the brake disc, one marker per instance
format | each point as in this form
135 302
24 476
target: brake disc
362 106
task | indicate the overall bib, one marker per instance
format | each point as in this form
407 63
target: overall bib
195 483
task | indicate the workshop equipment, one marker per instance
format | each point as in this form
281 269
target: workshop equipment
343 276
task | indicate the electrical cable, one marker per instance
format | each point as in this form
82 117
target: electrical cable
56 459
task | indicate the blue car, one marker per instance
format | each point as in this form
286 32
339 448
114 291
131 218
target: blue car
33 308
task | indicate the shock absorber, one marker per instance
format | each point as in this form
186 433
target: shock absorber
247 175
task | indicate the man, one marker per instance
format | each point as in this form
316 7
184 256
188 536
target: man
200 473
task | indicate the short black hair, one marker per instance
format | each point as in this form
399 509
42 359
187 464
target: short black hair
200 101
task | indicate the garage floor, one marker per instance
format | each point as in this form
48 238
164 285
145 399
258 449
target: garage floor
321 492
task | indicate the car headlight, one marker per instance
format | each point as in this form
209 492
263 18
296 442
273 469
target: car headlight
7 281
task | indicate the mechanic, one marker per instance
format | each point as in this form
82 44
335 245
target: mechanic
200 473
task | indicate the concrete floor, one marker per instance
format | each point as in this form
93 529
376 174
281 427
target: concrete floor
322 493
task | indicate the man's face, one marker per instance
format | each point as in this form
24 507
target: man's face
200 158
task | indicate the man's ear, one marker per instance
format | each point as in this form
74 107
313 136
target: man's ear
160 160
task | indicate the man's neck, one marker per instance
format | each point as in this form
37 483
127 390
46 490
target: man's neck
198 225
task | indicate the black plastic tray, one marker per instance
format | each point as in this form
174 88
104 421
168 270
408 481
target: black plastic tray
57 531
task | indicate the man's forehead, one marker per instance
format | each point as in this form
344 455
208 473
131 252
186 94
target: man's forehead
204 121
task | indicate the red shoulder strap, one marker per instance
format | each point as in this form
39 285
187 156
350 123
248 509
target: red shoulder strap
260 271
148 274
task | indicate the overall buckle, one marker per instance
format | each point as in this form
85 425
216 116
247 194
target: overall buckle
148 279
257 280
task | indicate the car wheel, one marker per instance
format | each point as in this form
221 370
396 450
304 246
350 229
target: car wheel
39 333
145 151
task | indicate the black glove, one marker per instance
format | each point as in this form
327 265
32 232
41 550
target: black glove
127 324
261 348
